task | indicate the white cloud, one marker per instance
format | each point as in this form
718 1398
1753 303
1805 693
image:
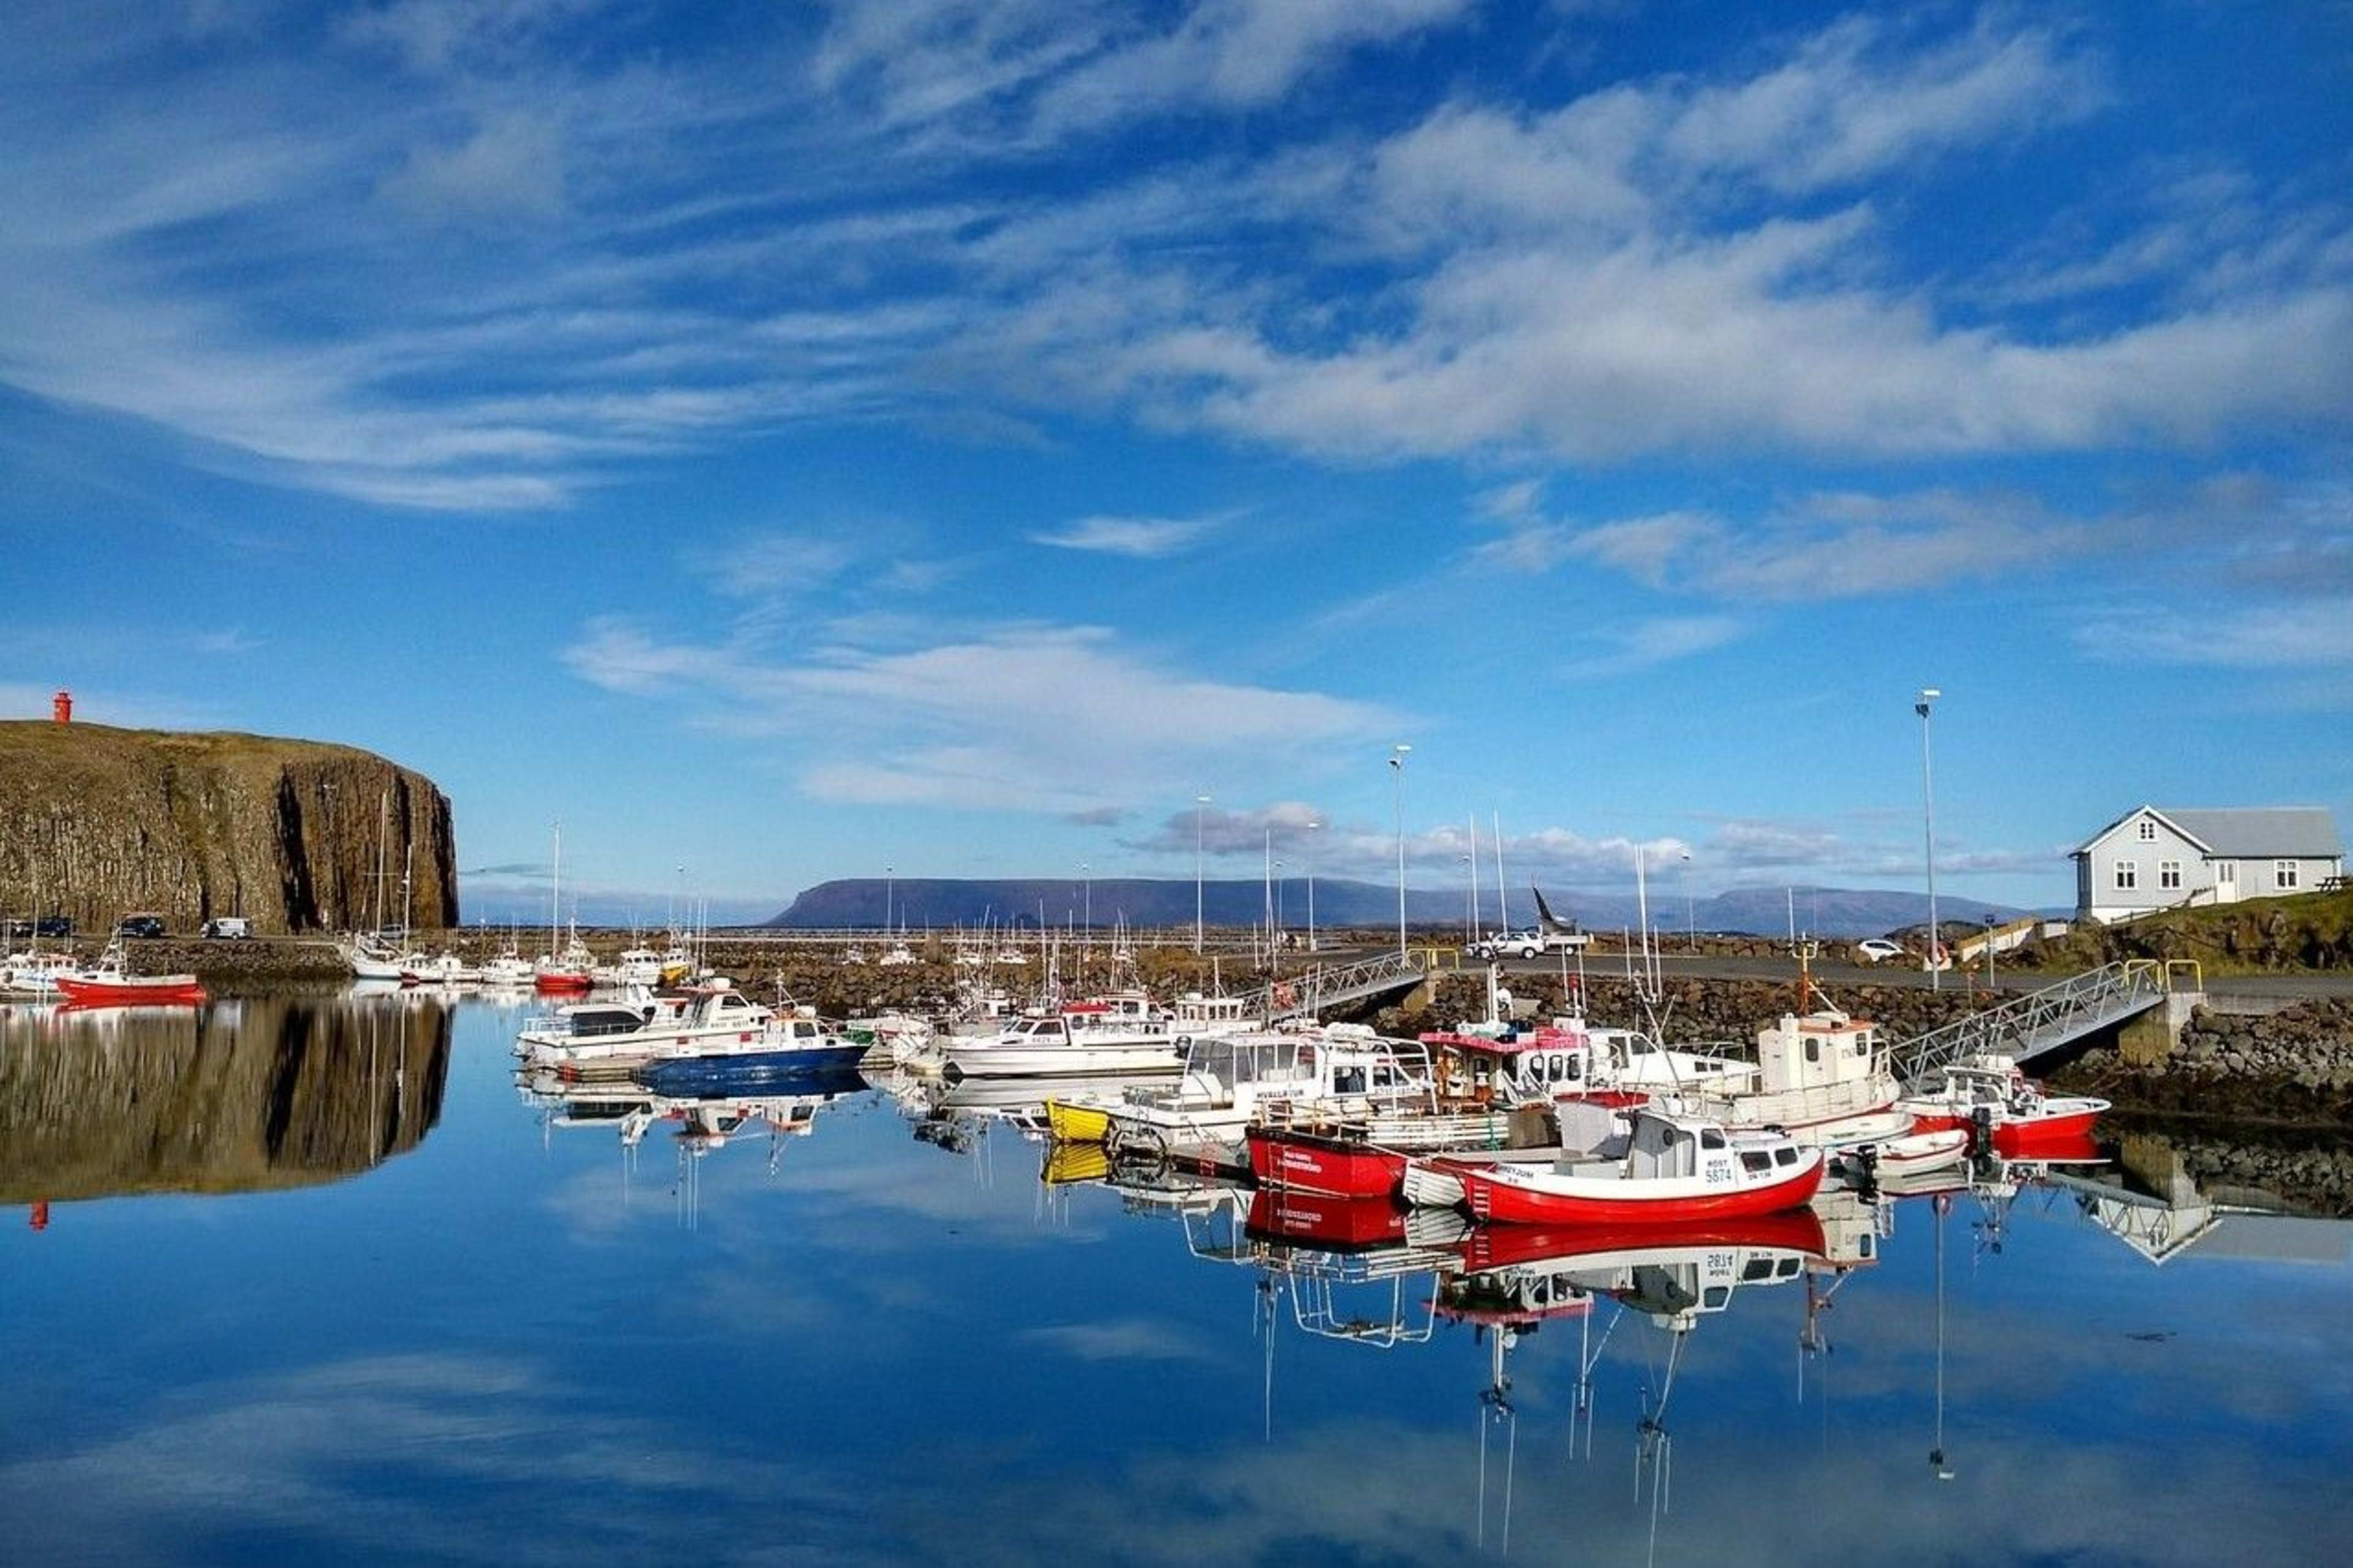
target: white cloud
1143 537
2277 636
1037 718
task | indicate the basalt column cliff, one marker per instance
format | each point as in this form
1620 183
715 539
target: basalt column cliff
97 821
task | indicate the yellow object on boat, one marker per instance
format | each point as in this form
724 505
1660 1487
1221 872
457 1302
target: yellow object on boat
1075 1123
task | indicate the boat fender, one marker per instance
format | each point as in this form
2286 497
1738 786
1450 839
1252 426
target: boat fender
1284 997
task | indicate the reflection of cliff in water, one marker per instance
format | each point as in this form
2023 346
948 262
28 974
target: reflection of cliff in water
240 1096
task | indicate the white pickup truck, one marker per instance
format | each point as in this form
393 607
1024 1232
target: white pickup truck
1529 944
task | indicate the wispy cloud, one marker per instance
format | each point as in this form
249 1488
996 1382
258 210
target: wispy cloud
1147 538
321 273
965 723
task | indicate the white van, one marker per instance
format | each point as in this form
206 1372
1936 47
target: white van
229 926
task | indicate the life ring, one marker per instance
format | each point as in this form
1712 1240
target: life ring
1938 956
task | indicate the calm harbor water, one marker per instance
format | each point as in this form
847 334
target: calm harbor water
308 1280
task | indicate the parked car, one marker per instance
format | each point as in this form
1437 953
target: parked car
47 925
1875 949
234 927
141 925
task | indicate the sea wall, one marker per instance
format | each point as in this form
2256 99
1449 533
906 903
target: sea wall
2295 1065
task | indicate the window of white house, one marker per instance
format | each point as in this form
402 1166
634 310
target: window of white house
2147 831
2226 871
2168 873
2283 873
2127 876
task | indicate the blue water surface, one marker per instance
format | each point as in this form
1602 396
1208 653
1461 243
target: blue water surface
315 1281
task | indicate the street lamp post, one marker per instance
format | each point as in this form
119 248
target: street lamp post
1691 908
1397 774
1199 801
1087 929
1312 825
1929 696
890 888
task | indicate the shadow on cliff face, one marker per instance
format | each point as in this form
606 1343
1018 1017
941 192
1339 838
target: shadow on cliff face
246 1096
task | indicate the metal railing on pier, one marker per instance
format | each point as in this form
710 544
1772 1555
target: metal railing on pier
1309 992
2027 1027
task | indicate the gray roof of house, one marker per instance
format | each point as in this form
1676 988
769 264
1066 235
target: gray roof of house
2248 832
2300 832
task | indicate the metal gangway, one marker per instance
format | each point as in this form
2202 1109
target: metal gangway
1310 991
2025 1028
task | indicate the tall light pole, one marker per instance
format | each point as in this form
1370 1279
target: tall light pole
1928 695
1199 801
889 887
1691 908
1397 774
1087 930
1312 825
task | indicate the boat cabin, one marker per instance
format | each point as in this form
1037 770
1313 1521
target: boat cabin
1568 1059
1818 1050
1198 1014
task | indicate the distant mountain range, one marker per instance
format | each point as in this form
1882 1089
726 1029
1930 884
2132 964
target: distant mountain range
939 903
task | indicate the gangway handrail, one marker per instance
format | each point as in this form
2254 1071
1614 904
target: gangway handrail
1327 985
2025 1026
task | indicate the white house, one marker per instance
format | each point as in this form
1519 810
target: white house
2150 859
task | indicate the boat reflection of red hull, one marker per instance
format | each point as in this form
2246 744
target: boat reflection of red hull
161 990
1500 1246
2033 1140
1310 1164
1340 1223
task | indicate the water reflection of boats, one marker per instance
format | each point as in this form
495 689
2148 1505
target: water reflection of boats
705 1123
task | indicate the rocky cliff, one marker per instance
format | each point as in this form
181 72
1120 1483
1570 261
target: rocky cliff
95 822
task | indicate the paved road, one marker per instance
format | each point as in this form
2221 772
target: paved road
1725 966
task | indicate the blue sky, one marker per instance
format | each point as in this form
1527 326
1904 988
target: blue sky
786 441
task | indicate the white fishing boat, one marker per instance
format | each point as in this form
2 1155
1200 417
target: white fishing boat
1334 1071
444 968
35 973
641 1026
1820 1074
634 966
1117 1033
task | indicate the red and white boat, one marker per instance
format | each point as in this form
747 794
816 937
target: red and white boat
1674 1168
1990 1098
108 983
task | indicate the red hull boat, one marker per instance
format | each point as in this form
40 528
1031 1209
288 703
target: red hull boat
1314 1165
1674 1168
132 989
